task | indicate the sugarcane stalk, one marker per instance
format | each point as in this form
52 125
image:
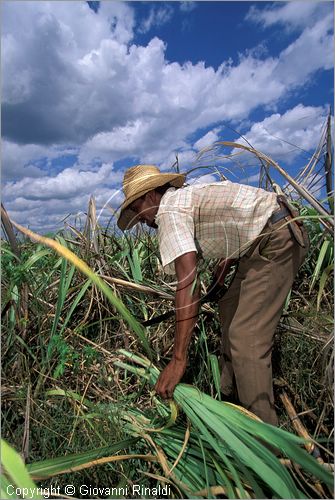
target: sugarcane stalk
8 228
301 430
296 422
326 220
328 165
137 287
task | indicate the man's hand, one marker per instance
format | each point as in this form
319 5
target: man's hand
170 377
187 307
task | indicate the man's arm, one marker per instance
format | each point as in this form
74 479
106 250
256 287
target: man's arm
187 308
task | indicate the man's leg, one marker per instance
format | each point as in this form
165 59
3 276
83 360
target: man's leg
264 279
227 308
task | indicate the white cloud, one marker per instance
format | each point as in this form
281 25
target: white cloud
44 202
187 6
68 183
103 88
203 179
74 80
207 139
251 179
295 14
283 136
186 159
43 46
158 16
46 214
22 160
315 185
302 57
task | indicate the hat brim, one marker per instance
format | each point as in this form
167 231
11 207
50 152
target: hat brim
128 218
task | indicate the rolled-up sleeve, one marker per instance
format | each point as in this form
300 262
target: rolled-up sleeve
175 235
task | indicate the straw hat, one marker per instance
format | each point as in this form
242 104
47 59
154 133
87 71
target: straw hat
138 181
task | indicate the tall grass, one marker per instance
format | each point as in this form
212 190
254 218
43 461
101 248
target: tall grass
79 412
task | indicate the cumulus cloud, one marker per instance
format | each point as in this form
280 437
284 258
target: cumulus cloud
284 136
302 57
187 97
48 214
46 50
204 179
29 160
65 184
207 139
75 82
184 158
76 91
45 202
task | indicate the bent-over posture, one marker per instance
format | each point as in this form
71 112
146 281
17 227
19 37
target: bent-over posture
234 223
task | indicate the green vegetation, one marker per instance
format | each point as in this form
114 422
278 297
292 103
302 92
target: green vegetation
78 369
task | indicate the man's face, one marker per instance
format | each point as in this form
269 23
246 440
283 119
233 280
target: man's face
146 209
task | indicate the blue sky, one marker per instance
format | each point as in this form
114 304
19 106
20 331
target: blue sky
88 91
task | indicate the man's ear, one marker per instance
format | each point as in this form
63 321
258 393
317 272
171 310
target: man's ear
151 195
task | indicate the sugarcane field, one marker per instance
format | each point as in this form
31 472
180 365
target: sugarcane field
79 368
167 249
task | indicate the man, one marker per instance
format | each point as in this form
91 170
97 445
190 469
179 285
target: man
234 223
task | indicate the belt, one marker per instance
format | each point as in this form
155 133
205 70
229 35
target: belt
296 227
279 214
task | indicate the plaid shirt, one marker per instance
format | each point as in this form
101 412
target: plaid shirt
217 220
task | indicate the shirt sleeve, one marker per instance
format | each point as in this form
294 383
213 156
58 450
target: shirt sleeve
175 236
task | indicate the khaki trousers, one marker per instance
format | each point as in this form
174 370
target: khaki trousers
250 312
